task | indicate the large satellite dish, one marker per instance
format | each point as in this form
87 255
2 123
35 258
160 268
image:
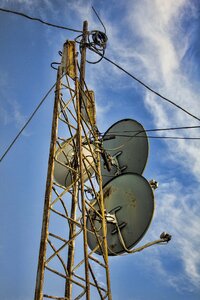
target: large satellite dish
64 162
126 143
129 199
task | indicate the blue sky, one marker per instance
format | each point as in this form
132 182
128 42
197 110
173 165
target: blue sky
157 41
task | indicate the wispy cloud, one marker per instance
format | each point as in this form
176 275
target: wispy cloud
157 58
10 110
25 3
156 47
162 45
176 212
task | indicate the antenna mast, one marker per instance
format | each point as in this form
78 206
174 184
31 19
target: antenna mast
84 223
67 269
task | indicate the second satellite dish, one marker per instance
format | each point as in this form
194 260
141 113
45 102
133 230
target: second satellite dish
126 146
129 202
64 162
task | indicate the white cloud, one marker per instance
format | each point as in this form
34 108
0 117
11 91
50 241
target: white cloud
159 51
156 57
163 44
177 212
12 114
4 117
9 3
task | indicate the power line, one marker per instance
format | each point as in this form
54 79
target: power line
111 133
151 90
158 137
116 133
144 84
103 56
99 19
38 20
174 128
159 129
174 137
27 122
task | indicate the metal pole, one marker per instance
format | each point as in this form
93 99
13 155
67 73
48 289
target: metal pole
83 58
104 225
104 230
81 84
47 200
71 247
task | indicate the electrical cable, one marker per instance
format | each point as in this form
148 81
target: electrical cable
117 133
103 56
54 63
158 129
38 20
96 41
99 18
145 85
160 137
136 135
27 122
163 240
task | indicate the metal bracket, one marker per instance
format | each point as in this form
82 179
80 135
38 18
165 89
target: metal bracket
115 163
113 220
154 184
122 225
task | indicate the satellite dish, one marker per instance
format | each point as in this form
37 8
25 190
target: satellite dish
64 162
129 200
126 143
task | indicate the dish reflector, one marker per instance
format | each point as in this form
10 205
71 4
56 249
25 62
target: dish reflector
128 149
128 198
64 162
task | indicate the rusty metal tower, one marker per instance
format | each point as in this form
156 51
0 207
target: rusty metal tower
82 222
67 268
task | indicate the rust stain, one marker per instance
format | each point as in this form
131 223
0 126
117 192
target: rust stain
131 198
107 192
